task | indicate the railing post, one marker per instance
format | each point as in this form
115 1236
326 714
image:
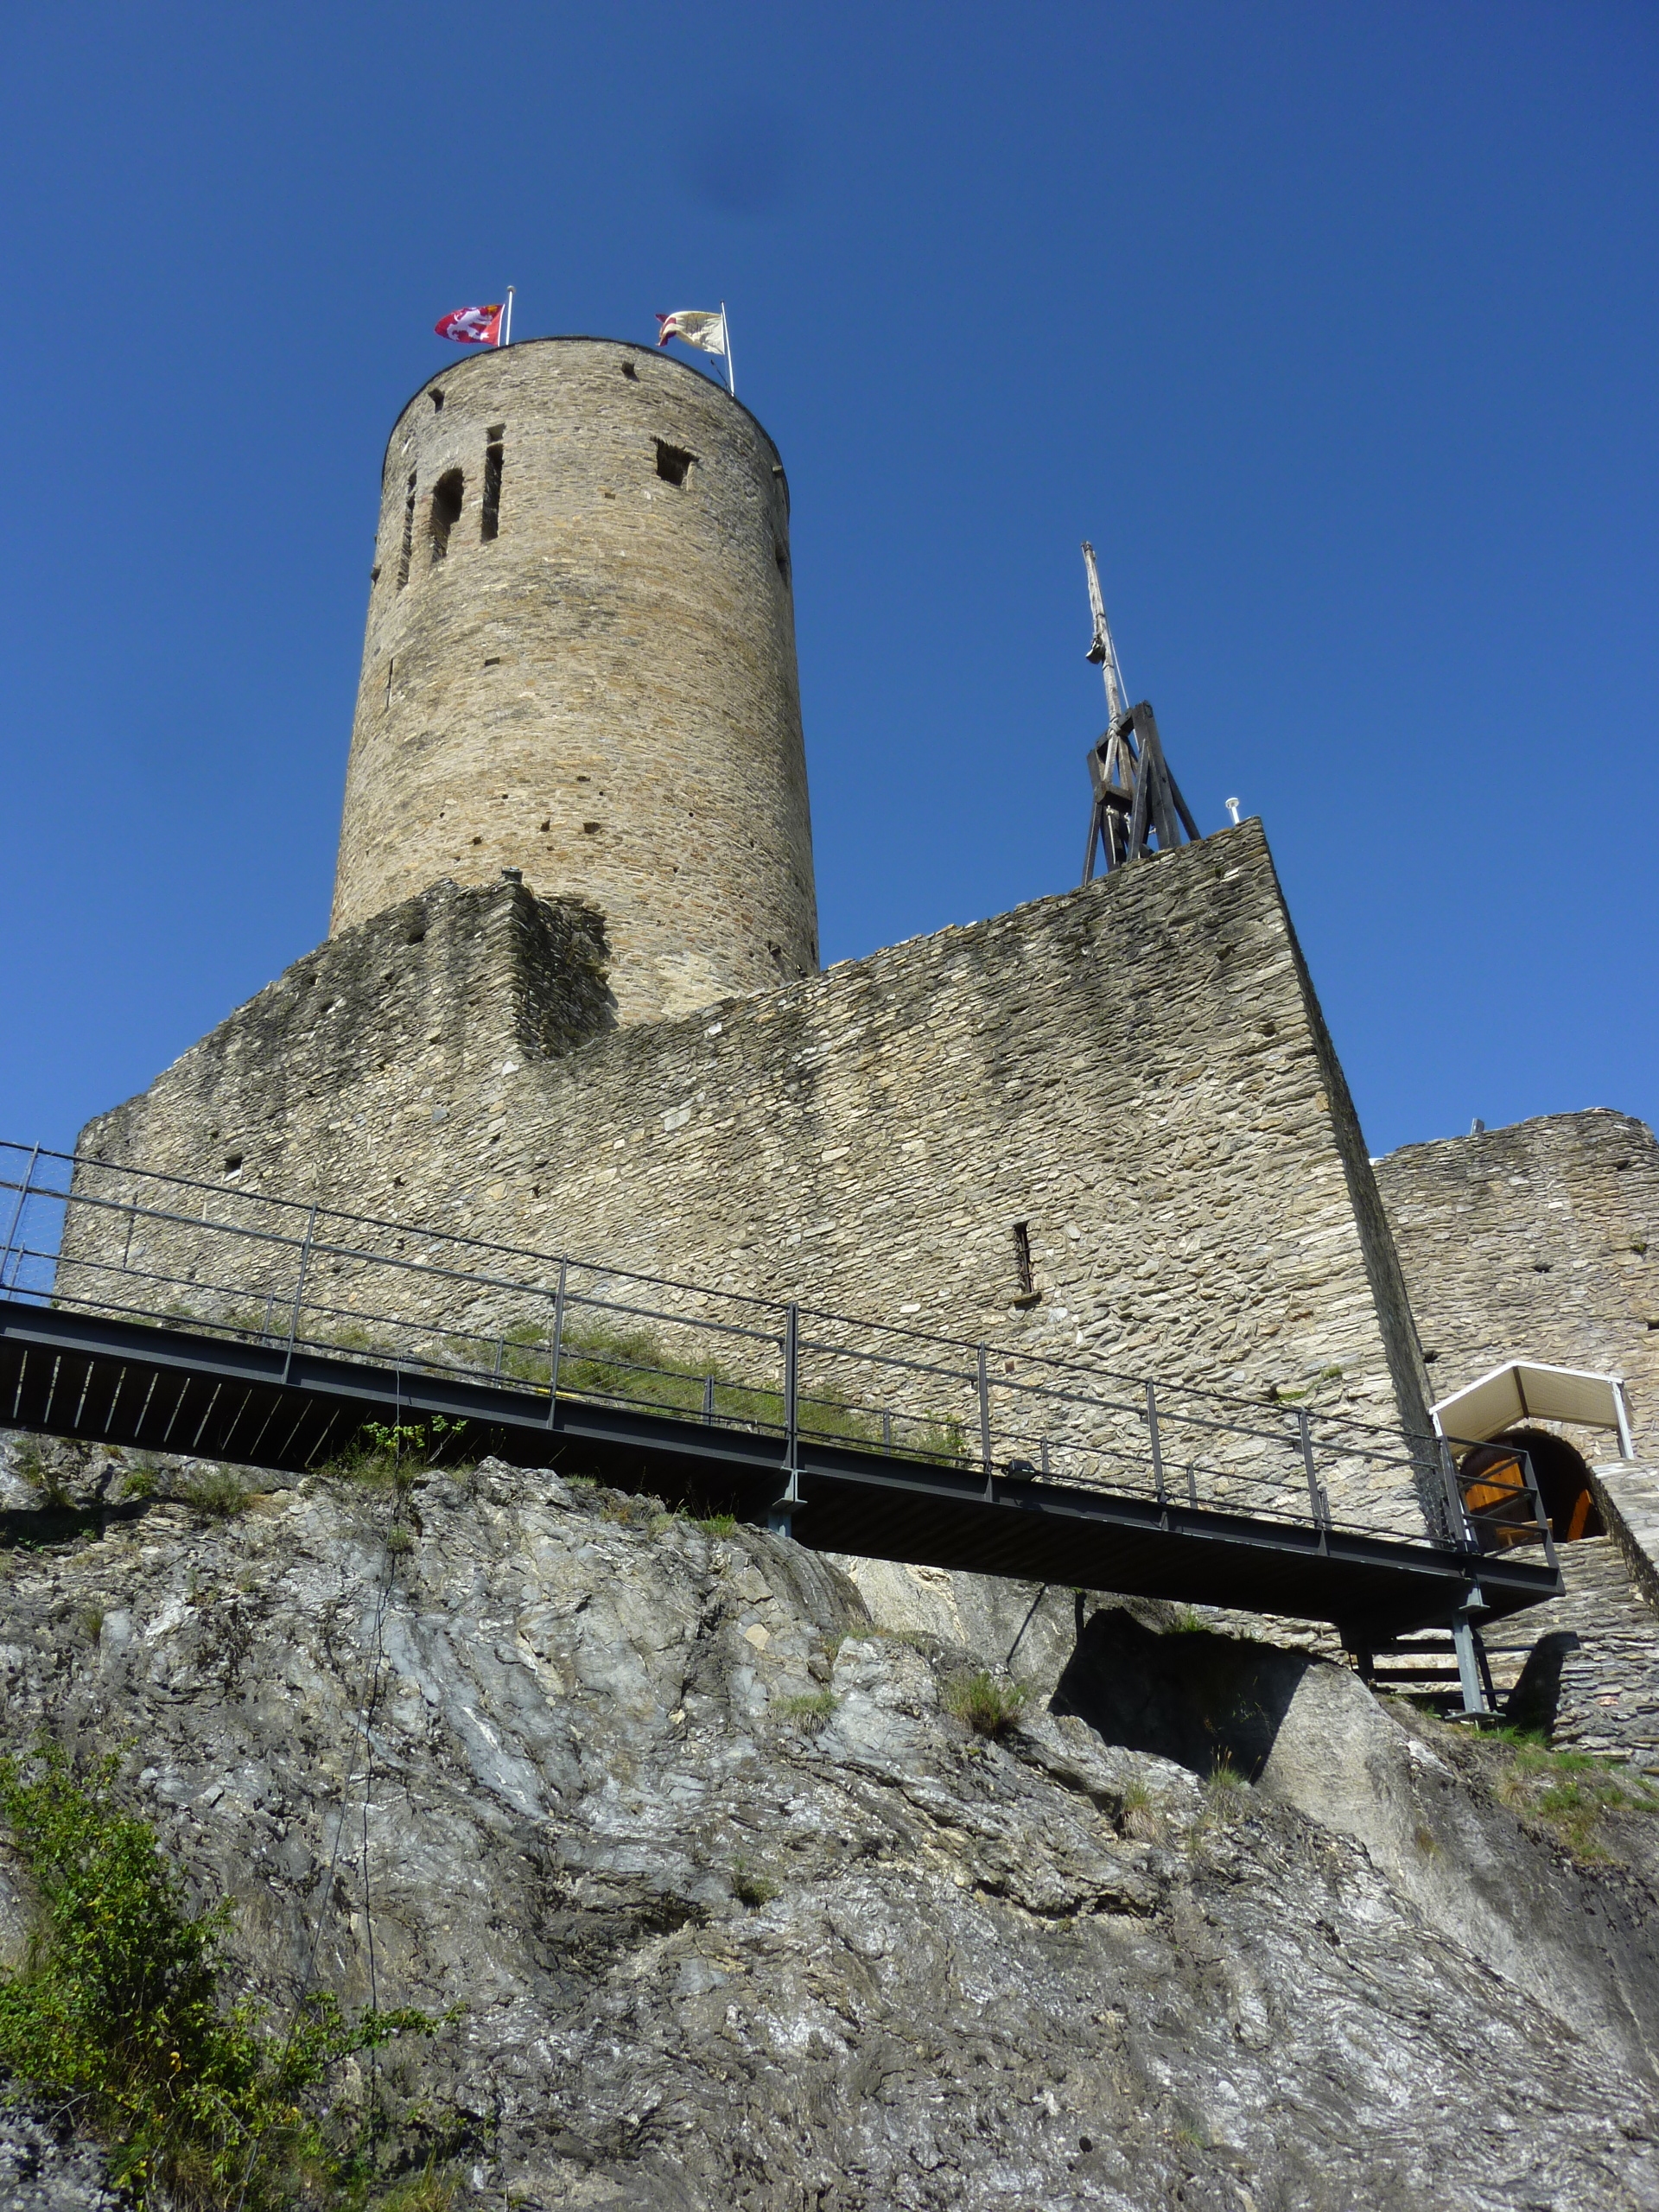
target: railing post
792 1383
299 1291
1156 1442
18 1213
1460 1534
1305 1429
985 1417
1538 1514
557 1349
709 1400
781 1519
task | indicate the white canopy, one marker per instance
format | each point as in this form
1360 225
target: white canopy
1522 1390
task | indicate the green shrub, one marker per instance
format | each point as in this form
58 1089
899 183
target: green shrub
390 1454
989 1704
116 2015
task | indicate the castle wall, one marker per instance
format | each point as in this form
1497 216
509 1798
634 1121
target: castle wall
1541 1240
1137 1071
577 667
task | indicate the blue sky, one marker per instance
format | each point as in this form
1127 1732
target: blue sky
1334 328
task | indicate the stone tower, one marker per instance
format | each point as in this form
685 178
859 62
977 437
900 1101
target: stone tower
579 663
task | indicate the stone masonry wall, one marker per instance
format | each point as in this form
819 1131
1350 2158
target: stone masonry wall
1137 1071
1540 1241
603 693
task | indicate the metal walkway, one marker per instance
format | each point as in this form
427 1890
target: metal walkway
152 1311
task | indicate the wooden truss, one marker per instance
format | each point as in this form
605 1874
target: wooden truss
1135 796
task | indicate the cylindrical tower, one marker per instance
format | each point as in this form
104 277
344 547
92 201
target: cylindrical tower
579 661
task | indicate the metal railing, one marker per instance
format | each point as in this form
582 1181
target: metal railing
147 1247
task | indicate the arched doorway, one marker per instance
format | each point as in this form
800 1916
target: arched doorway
1562 1478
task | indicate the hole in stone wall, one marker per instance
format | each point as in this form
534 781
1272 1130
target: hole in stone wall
1022 1255
631 373
590 829
782 559
447 495
408 535
673 464
489 523
437 403
233 1161
416 936
391 666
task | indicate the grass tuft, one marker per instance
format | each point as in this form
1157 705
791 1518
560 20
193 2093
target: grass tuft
216 1492
750 1887
813 1706
989 1703
1573 1793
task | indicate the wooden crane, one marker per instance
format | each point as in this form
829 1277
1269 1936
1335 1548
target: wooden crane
1135 796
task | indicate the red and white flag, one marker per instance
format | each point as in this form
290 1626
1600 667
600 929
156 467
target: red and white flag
472 326
703 328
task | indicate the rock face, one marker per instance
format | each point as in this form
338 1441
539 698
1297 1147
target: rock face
742 1915
44 2169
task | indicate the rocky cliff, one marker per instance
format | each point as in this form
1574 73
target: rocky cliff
741 1913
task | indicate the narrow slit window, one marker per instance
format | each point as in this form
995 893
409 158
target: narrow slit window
409 534
447 495
673 463
489 524
1022 1258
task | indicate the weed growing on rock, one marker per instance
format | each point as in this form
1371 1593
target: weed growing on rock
1570 1793
40 1473
814 1708
400 1539
216 1492
435 2189
1137 1814
990 1705
1224 1786
750 1886
116 2013
391 1454
139 1477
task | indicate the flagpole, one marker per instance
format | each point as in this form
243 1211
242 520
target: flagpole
506 327
731 366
